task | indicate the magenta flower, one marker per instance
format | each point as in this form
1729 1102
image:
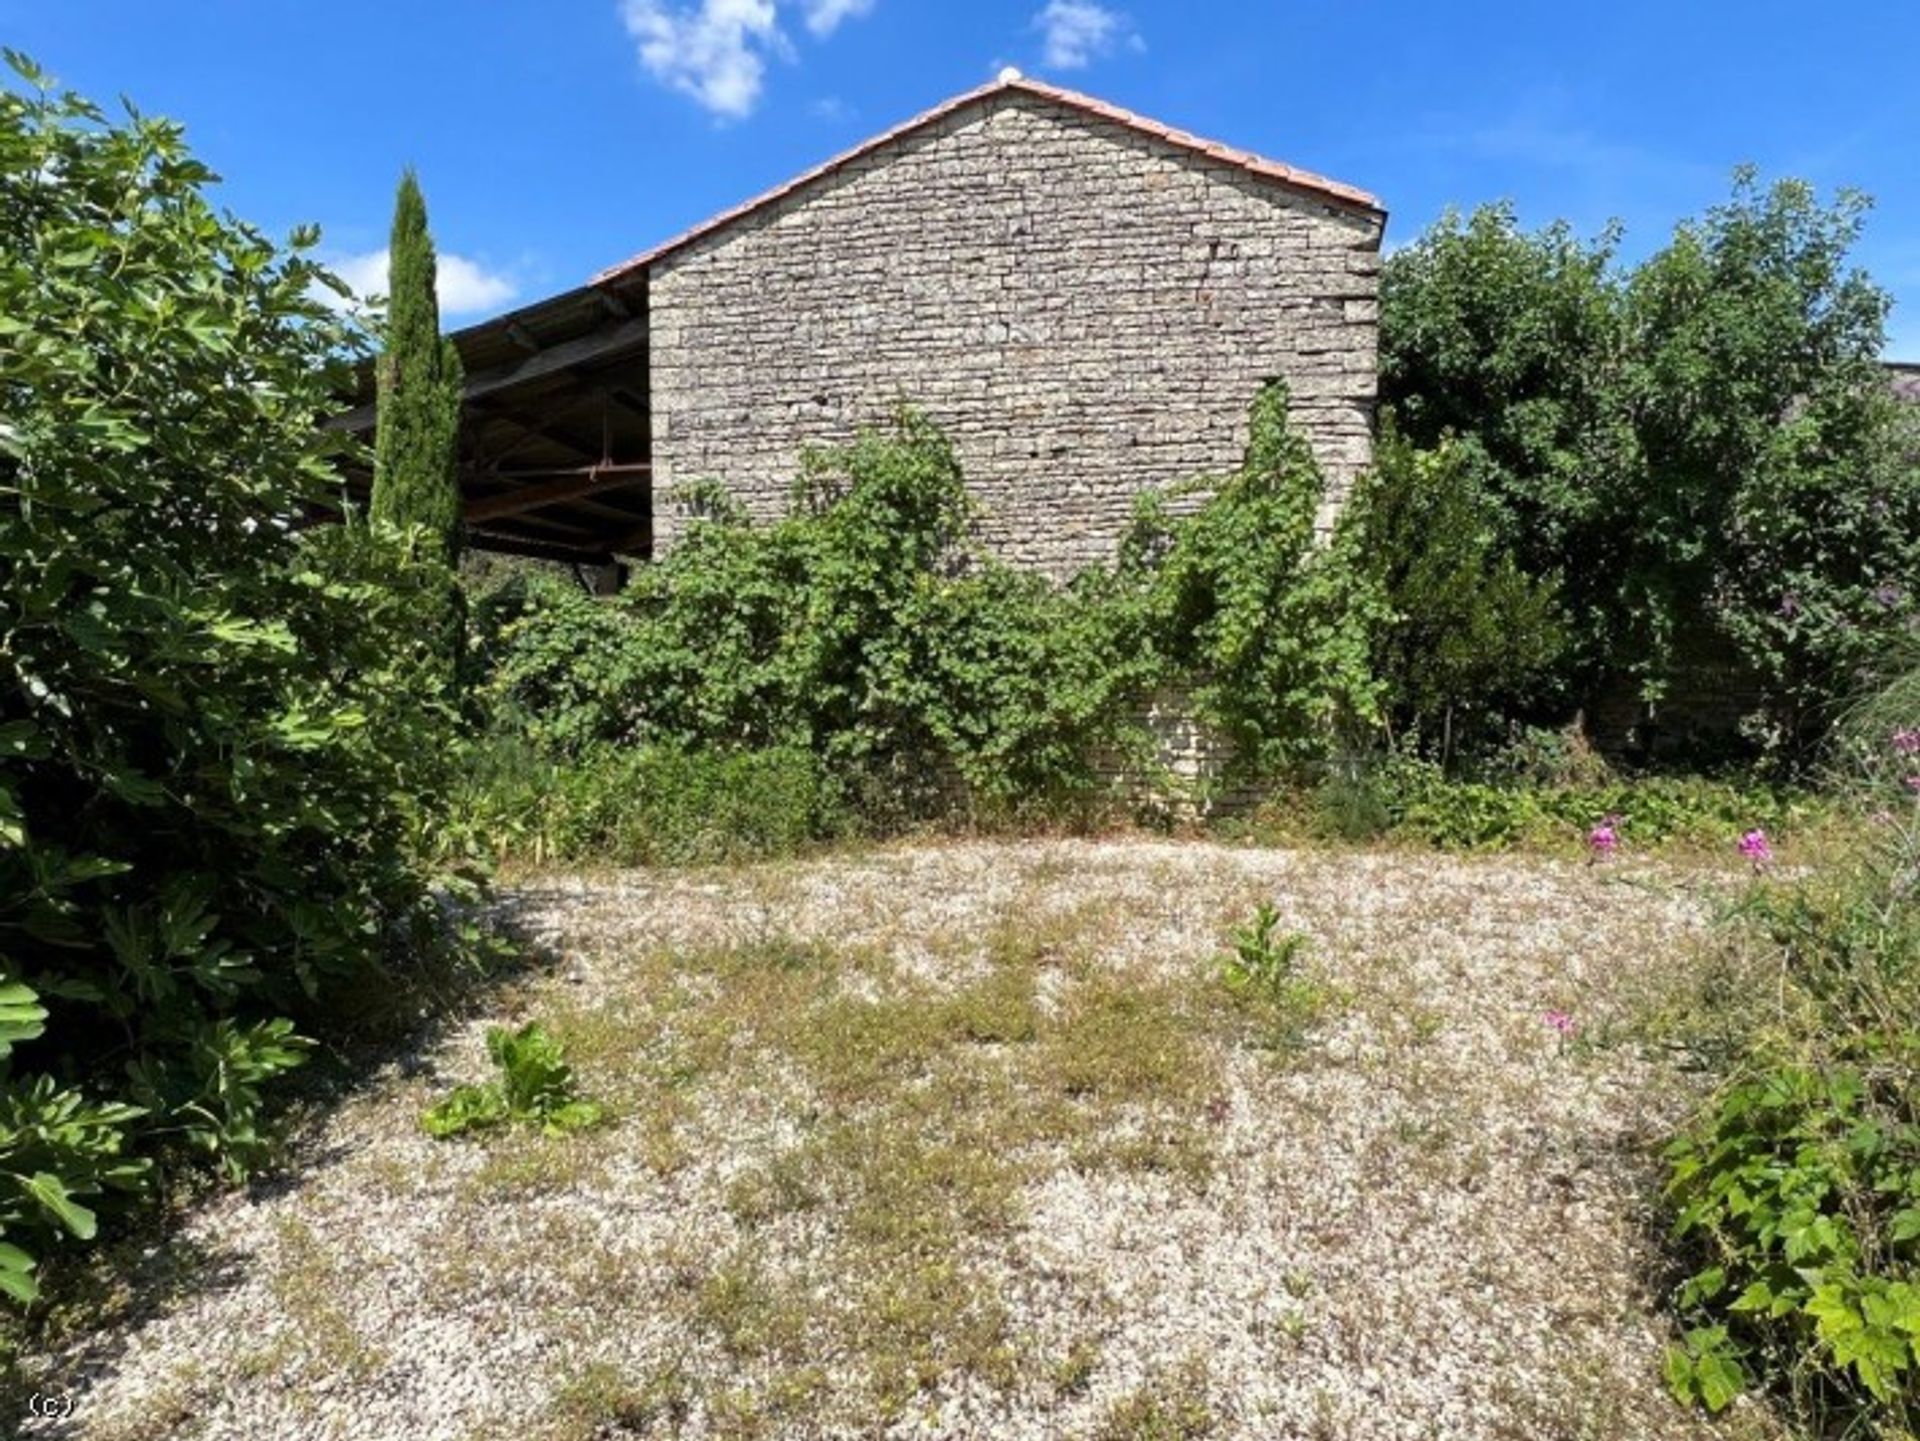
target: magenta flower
1906 741
1756 848
1561 1022
1603 840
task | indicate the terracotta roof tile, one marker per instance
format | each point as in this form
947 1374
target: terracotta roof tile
1302 180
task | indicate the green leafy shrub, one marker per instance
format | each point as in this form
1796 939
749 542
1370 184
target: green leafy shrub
1803 1188
1263 972
1701 449
535 1087
925 677
1471 640
217 762
860 629
1267 631
1796 1191
553 665
1407 797
651 805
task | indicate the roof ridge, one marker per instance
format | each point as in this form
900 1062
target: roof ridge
1245 160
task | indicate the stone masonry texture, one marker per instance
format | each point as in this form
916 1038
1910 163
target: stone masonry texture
1085 309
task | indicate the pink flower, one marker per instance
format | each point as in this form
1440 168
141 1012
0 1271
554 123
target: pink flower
1755 847
1906 741
1604 839
1561 1022
1913 784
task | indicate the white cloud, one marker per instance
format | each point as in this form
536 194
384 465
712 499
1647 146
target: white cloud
716 51
1079 32
824 16
465 286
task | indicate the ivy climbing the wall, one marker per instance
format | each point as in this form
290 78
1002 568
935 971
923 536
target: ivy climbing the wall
869 629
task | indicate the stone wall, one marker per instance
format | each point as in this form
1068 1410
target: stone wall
1087 311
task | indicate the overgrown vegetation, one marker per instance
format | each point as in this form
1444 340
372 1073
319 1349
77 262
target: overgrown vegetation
649 805
218 768
1796 1193
1697 459
535 1087
1541 791
924 677
228 742
1575 507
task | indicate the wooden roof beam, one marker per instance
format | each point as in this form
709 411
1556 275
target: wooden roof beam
638 541
614 340
574 485
537 550
533 430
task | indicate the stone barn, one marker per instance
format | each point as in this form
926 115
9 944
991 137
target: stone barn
1085 300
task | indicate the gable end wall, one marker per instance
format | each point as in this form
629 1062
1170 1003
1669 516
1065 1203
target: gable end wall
1087 312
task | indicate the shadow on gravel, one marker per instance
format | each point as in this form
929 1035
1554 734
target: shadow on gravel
93 1303
102 1307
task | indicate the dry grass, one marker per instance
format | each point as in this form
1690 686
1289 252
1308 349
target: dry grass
972 1140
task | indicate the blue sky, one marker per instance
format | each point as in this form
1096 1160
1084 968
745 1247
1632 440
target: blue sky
557 136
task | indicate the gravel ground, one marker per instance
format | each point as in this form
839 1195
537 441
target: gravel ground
1430 1220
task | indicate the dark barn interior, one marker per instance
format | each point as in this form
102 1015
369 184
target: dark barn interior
556 444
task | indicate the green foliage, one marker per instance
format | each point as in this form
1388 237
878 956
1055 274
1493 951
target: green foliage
1407 797
216 760
859 629
1472 639
1269 632
1795 1192
1701 449
1801 1189
1263 972
58 1151
866 631
554 665
536 1087
415 478
650 805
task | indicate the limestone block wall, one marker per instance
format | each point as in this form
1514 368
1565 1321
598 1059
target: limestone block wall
1086 309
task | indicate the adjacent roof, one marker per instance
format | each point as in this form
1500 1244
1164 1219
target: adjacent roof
1304 181
1906 380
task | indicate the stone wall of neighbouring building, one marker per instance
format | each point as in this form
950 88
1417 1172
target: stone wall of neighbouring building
1086 309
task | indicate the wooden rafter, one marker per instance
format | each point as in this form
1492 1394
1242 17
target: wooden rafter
611 341
625 400
564 486
536 430
540 550
638 541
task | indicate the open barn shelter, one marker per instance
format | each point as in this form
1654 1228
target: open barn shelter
1085 300
556 440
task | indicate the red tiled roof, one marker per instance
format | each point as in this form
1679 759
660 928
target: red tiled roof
1287 175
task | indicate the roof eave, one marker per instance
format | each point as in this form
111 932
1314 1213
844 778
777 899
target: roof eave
1305 182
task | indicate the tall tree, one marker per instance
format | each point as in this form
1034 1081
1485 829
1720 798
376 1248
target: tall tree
415 477
1702 447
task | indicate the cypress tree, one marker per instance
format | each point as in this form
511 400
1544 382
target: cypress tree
415 466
